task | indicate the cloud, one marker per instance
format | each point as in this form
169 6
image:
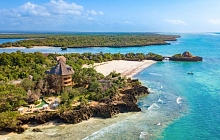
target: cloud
214 21
174 21
29 9
101 13
55 13
53 8
92 12
61 7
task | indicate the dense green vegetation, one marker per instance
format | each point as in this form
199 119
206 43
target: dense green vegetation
88 83
11 97
9 120
177 55
91 40
20 65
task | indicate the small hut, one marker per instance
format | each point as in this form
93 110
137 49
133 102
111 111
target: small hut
33 97
187 54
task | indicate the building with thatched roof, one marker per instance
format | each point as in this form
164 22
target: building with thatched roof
62 72
33 97
61 57
187 54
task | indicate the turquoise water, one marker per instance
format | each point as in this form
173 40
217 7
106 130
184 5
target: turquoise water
180 106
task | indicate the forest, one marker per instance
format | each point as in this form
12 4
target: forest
89 40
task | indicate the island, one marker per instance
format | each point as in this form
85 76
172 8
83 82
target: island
186 56
36 88
84 40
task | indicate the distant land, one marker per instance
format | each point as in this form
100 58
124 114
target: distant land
83 40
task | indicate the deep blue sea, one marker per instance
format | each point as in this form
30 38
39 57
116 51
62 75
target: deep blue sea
180 106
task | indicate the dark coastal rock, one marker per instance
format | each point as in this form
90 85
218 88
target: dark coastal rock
17 129
137 91
36 130
76 116
39 118
186 56
105 111
120 103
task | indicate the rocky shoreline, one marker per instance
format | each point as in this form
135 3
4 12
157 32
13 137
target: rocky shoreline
192 59
126 101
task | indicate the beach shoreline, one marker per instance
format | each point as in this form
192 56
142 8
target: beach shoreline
126 68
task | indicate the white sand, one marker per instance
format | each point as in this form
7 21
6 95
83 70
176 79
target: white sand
126 68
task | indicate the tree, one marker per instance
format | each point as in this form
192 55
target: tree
64 97
27 84
95 86
9 120
11 97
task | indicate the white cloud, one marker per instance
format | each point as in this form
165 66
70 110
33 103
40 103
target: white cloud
61 7
101 13
174 21
29 9
92 12
54 13
214 21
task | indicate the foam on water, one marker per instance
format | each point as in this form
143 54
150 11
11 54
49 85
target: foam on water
144 135
153 106
178 100
160 101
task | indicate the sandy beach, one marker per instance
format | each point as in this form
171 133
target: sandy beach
126 68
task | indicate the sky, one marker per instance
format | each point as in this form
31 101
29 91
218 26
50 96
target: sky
110 15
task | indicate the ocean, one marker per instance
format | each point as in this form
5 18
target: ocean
180 106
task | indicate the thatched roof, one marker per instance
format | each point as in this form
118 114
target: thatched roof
61 69
61 58
187 54
33 97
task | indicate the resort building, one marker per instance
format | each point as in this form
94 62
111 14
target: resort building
62 72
